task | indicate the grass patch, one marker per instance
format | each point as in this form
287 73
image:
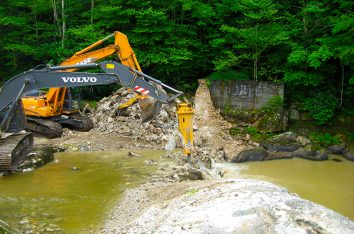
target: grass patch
192 191
92 104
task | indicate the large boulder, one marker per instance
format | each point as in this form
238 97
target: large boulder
285 142
279 155
303 152
310 153
348 153
238 206
253 154
336 149
271 122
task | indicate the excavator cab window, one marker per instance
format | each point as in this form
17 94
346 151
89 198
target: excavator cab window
34 93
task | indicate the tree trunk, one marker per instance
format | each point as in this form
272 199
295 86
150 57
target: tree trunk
55 16
342 85
14 58
36 25
92 7
255 68
304 19
64 25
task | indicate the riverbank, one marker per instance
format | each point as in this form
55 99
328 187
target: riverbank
176 181
220 206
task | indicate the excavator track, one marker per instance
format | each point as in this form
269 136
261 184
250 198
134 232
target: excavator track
14 149
45 127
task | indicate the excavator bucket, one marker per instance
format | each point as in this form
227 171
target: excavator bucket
150 107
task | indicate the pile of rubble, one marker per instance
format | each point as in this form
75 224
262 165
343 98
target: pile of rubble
161 131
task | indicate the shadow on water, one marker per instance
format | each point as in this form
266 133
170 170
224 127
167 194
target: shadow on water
73 192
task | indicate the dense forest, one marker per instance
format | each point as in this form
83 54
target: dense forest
307 44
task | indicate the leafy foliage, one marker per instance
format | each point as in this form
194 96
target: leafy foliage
321 107
324 139
306 44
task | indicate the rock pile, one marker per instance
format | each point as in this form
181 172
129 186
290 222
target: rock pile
128 123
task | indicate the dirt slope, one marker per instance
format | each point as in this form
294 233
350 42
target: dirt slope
212 129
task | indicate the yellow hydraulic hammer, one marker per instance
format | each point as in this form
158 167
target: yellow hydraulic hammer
185 125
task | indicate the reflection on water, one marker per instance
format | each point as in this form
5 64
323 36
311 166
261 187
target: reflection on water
72 193
328 183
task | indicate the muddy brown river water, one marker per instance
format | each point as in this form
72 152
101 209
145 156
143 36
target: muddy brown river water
73 193
328 183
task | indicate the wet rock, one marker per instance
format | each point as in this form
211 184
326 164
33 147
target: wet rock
37 158
133 155
348 153
271 122
49 230
188 172
285 142
321 155
24 222
278 147
279 155
75 168
303 152
287 137
254 154
335 149
311 154
150 162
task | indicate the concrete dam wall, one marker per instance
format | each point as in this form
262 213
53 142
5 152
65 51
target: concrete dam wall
244 94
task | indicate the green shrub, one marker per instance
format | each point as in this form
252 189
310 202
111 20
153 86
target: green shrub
92 104
252 131
229 75
324 140
321 107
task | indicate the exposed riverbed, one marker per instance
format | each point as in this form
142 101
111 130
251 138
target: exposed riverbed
328 183
72 193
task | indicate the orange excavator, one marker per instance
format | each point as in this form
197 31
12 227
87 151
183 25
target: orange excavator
15 143
48 112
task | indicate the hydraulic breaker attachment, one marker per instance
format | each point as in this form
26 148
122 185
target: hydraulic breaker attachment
185 125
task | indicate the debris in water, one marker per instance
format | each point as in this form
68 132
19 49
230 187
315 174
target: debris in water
134 155
75 168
